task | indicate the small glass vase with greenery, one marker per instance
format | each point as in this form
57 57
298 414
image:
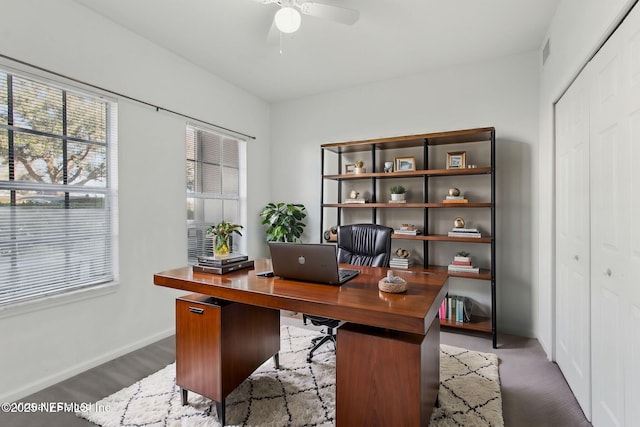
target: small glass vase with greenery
283 221
221 234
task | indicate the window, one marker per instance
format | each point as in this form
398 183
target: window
57 189
215 176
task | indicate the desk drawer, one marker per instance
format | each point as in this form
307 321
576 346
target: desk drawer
220 343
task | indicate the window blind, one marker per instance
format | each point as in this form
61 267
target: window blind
213 167
58 185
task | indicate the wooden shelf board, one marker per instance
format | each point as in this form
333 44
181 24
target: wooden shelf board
481 324
409 174
407 205
459 205
435 138
484 274
443 238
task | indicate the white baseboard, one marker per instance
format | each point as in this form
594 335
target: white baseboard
55 378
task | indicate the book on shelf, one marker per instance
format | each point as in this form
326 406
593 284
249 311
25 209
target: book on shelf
465 230
461 258
396 262
463 269
397 201
401 259
456 309
401 267
454 198
348 200
462 263
461 234
228 268
213 261
455 201
407 232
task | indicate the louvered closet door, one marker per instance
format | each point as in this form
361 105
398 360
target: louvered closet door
615 231
573 310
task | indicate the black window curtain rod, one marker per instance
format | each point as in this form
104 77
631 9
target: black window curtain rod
120 95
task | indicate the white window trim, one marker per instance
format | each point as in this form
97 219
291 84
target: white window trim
89 292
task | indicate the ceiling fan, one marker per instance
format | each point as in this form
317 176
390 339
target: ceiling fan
287 19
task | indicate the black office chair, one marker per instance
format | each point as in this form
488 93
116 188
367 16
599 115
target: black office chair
358 244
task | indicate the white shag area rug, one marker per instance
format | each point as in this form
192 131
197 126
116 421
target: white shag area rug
300 393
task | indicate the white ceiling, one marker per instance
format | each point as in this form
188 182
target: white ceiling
392 38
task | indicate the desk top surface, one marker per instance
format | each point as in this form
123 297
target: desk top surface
358 300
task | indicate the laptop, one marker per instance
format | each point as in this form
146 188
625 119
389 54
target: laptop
309 262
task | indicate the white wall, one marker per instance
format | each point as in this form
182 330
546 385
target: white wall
44 343
578 29
48 343
502 93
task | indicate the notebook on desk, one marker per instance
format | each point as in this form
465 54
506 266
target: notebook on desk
309 262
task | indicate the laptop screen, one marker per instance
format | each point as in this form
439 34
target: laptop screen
308 262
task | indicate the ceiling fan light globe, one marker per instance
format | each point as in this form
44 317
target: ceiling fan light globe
287 20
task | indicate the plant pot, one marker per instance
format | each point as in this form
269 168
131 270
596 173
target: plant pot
221 246
359 170
397 197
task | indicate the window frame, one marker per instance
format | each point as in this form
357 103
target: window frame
196 227
108 190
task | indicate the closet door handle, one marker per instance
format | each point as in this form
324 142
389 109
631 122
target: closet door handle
576 257
607 272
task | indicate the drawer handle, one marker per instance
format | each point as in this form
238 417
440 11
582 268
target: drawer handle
196 310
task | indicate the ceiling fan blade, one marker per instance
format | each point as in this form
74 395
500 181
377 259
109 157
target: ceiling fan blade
333 13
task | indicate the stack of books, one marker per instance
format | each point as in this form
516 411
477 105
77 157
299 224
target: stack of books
397 262
356 200
455 199
215 265
407 229
456 309
465 232
462 264
398 201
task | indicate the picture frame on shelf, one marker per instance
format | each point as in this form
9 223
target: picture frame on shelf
457 160
404 164
350 168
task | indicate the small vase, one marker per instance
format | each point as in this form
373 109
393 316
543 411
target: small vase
397 197
221 246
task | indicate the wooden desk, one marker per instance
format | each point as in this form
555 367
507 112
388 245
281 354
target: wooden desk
392 339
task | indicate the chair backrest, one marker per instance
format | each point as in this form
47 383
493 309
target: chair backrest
364 244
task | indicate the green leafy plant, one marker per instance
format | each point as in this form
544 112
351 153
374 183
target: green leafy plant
221 233
397 189
462 253
283 221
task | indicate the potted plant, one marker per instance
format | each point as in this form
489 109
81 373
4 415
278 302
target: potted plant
283 221
221 234
397 193
359 167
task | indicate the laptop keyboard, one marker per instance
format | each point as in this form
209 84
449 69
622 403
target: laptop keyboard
343 273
